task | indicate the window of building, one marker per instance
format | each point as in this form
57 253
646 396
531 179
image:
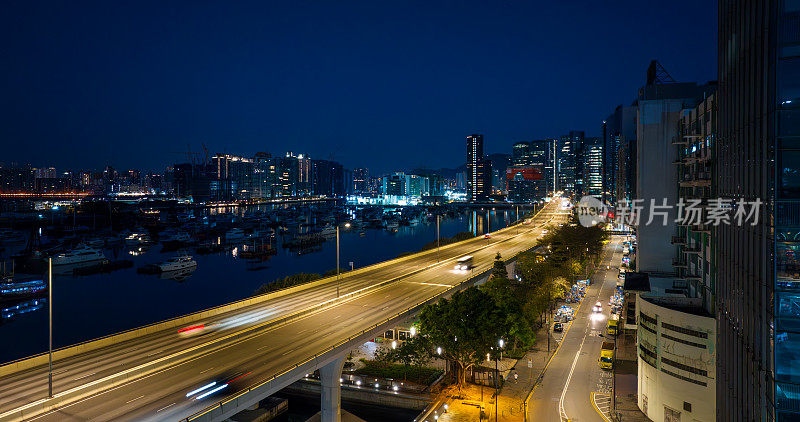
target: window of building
787 260
787 396
787 356
788 312
789 174
671 415
789 81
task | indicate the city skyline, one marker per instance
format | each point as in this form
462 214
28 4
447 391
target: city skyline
115 96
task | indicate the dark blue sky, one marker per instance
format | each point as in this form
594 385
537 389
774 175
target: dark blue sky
383 84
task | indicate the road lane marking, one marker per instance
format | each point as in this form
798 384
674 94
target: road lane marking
593 398
134 399
87 375
203 372
169 405
429 284
561 412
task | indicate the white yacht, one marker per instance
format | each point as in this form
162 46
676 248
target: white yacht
137 239
328 230
79 255
181 262
234 234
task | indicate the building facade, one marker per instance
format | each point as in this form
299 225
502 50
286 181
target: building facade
479 170
525 184
568 149
618 132
660 107
757 157
591 168
676 359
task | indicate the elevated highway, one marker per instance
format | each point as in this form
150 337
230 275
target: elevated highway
249 349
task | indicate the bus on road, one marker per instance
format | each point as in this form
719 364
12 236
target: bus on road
464 263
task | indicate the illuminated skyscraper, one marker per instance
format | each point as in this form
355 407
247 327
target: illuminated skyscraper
479 182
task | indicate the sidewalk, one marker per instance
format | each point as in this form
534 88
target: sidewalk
627 408
467 405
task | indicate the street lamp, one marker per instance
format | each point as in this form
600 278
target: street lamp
496 374
346 225
437 238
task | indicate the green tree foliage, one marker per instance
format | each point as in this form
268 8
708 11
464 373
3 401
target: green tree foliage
507 297
410 353
465 327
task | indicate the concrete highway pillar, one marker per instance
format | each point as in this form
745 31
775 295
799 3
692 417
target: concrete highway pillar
331 394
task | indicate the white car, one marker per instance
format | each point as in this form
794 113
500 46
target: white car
598 307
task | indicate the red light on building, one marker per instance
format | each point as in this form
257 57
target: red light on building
527 173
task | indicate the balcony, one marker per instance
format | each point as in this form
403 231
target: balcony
680 284
692 277
679 140
678 264
678 240
692 249
695 179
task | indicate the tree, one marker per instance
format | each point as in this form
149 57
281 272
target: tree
464 328
506 296
413 352
499 286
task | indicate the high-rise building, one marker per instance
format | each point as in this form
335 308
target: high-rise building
525 183
394 184
618 132
660 107
234 178
46 173
327 178
499 163
541 154
757 158
677 333
520 152
361 181
568 148
294 175
479 176
266 184
591 168
417 186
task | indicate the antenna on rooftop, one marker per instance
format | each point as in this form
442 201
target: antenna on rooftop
656 74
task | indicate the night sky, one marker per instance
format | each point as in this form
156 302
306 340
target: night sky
389 85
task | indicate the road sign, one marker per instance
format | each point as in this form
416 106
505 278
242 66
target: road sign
530 363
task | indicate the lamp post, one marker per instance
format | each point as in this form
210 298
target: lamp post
501 343
337 257
438 259
496 395
488 226
50 324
